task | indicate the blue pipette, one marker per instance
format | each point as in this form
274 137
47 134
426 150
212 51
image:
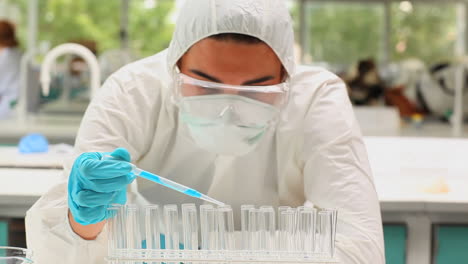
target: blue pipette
170 184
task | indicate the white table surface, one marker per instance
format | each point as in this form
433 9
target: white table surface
27 182
10 157
20 188
406 168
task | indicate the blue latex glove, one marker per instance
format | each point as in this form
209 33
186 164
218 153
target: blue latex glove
95 184
33 143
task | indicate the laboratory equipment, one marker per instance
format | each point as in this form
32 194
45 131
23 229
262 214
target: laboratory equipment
169 184
174 185
303 235
225 228
132 230
190 226
286 229
70 48
171 221
245 209
152 228
325 231
208 228
15 255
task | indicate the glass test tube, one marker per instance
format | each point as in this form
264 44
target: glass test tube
298 210
245 209
324 243
190 226
152 227
269 226
297 237
133 231
280 224
122 220
171 220
113 226
306 230
281 209
333 235
226 228
208 227
287 242
254 229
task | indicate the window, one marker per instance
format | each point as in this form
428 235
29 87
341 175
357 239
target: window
342 33
427 31
150 23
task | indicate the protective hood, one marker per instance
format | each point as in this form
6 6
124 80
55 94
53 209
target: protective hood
267 20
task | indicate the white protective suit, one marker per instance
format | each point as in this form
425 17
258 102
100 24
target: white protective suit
315 154
10 59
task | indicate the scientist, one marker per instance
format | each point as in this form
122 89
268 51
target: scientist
10 58
226 111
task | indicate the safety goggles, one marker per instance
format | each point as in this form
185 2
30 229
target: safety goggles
274 95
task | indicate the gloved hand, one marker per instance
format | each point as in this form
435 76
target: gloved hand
94 184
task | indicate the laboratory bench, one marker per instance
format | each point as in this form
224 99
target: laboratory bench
421 183
56 128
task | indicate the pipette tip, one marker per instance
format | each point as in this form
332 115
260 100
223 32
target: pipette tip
211 200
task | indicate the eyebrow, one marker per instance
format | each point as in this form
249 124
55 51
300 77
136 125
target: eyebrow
259 80
214 79
206 76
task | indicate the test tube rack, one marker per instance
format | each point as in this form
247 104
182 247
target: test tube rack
154 234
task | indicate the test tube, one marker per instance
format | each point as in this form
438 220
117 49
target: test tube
152 227
208 227
245 209
190 226
281 209
122 226
297 237
287 230
113 232
133 230
325 243
306 230
255 229
171 220
298 210
269 226
226 228
333 236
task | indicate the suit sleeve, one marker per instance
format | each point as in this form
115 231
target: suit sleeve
337 175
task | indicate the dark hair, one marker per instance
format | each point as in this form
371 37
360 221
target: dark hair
7 34
235 37
364 66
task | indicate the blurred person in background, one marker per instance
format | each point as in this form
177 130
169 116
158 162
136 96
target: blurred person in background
10 58
366 88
